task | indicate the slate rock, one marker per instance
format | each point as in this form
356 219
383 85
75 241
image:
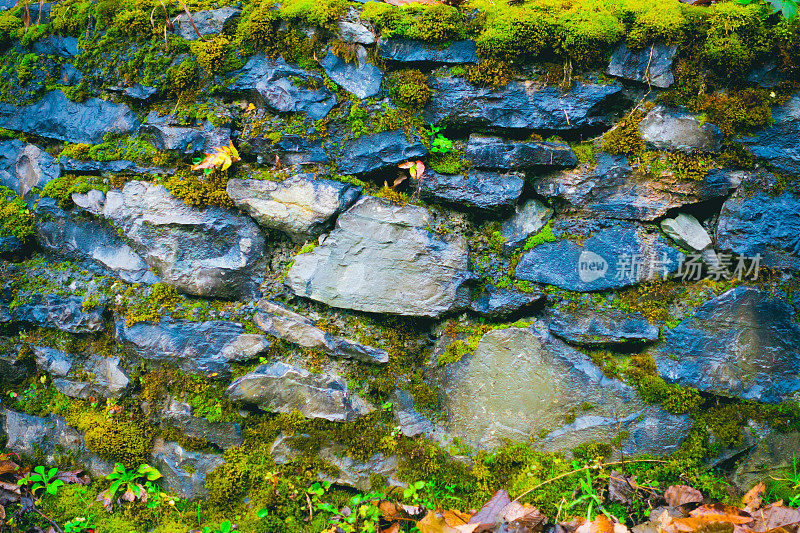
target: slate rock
408 51
208 252
184 471
744 343
353 29
56 45
678 130
24 166
360 77
767 75
595 327
778 144
178 415
200 348
479 189
520 106
528 219
64 313
408 418
9 245
69 75
76 236
283 323
54 362
300 206
57 117
687 231
384 258
651 65
497 153
272 82
171 134
107 379
208 22
773 452
139 92
494 302
282 388
373 152
612 257
522 381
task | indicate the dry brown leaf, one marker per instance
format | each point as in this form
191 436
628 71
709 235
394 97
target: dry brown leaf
697 525
454 517
720 512
2 513
774 516
571 526
6 467
752 500
394 528
433 523
492 511
681 495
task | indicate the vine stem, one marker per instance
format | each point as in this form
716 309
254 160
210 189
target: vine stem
601 465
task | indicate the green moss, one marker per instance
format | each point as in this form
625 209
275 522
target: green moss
452 162
409 88
215 55
198 190
736 37
458 349
690 166
624 137
544 235
490 73
585 152
158 298
322 13
15 218
182 78
139 149
433 23
9 24
63 187
113 438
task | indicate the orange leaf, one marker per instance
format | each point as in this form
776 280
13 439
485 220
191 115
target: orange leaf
394 528
455 518
433 523
719 512
682 494
752 500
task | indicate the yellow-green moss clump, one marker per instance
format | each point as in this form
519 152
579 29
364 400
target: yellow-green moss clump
62 187
198 190
624 137
114 438
16 219
736 37
432 23
490 73
409 88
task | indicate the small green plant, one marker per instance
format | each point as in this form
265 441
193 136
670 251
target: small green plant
439 143
788 8
544 235
42 479
225 527
589 496
790 485
129 482
79 525
429 494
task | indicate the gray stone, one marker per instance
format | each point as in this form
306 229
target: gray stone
24 166
282 388
73 235
204 348
407 51
678 130
527 220
57 117
744 343
54 362
687 231
208 22
614 256
300 206
595 327
283 323
479 189
184 472
108 167
9 244
107 379
139 92
767 75
373 152
651 65
360 78
272 82
410 421
384 258
178 415
521 382
498 153
65 313
520 105
56 45
778 144
494 302
170 134
774 454
353 29
69 75
208 252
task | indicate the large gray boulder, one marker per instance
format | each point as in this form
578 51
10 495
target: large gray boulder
778 143
207 22
524 382
300 206
24 166
282 388
651 65
204 348
57 117
360 77
476 189
373 152
600 327
178 415
65 313
384 258
673 130
204 252
492 152
408 51
283 87
172 134
520 106
744 343
184 471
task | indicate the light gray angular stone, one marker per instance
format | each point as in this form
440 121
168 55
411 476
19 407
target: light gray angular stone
528 218
171 133
651 65
24 166
353 29
179 415
107 379
208 22
184 472
380 150
493 152
54 362
408 51
678 130
360 77
475 189
590 327
687 231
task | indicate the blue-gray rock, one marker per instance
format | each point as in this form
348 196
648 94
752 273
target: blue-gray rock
480 189
57 117
361 77
775 450
70 75
498 153
494 302
744 343
40 14
85 237
170 134
753 223
178 415
674 130
407 51
97 376
385 258
300 206
90 166
282 388
9 244
201 348
600 327
617 255
778 144
528 218
767 75
410 421
5 5
353 29
207 22
651 65
184 471
373 152
65 313
56 45
54 362
273 82
520 106
139 92
24 166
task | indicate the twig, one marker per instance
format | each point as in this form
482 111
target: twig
191 20
310 510
39 19
565 474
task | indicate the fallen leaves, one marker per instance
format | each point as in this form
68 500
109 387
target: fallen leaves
222 157
415 168
677 495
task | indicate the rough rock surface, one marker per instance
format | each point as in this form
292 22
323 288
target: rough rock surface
179 415
492 152
520 382
384 258
282 388
57 117
171 134
373 152
65 313
184 471
773 452
205 348
519 105
479 189
744 343
678 130
208 22
106 378
589 327
410 421
528 218
651 65
408 51
360 77
778 143
300 206
353 29
56 45
687 231
494 302
24 166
